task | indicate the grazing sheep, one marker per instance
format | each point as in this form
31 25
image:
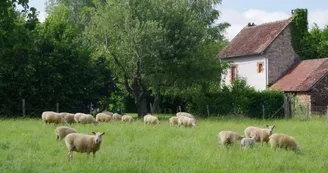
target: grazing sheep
173 120
185 114
248 142
108 113
63 131
102 117
149 119
186 121
228 137
69 118
87 119
77 117
127 118
83 143
52 117
261 132
117 116
284 141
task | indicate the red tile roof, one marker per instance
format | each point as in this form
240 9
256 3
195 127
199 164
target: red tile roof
303 76
253 40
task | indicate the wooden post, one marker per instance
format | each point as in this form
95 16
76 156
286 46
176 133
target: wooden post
263 115
23 107
307 112
179 108
57 107
151 108
208 110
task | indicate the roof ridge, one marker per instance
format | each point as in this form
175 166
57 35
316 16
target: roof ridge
273 22
315 70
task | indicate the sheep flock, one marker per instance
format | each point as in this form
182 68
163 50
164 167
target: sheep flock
90 143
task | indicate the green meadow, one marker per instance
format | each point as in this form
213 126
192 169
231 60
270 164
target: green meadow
28 145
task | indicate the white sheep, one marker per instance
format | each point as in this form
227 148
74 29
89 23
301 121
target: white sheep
186 121
77 117
52 117
63 131
284 141
69 118
117 116
87 119
83 143
248 142
185 114
261 132
102 117
173 120
108 113
127 118
227 137
150 119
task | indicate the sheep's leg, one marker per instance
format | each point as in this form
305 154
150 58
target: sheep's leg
57 137
69 155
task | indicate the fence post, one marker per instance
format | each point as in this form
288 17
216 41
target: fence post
208 110
151 108
23 107
327 113
57 107
307 112
179 108
263 115
90 107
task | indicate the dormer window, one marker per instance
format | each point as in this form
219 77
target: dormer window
260 67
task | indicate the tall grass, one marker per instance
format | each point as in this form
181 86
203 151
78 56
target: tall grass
28 145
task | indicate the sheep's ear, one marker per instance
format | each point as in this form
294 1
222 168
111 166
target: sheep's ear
94 133
102 133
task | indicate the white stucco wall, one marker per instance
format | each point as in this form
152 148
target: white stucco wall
247 68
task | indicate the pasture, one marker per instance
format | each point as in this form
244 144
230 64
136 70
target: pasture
28 145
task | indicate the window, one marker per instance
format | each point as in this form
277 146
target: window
260 67
233 72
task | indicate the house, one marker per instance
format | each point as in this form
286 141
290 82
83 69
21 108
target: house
308 81
261 54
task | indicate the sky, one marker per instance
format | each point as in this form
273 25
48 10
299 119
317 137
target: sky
239 12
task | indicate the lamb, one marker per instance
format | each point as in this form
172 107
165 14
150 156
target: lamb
69 118
284 141
87 119
117 116
102 117
83 143
248 142
228 137
52 117
185 114
261 132
63 131
149 119
186 121
173 120
127 118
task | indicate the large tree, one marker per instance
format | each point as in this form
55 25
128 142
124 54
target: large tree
158 43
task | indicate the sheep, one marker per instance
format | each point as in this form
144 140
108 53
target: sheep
77 117
87 119
149 119
108 113
284 141
185 114
117 116
248 142
127 118
83 143
102 117
261 132
227 137
52 117
186 121
68 117
173 120
63 131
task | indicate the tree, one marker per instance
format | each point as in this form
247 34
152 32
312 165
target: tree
155 44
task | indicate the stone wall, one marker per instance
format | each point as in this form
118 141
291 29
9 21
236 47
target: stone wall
319 95
304 99
281 56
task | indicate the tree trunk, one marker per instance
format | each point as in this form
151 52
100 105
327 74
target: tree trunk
157 100
142 107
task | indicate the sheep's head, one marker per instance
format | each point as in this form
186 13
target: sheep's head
98 137
270 128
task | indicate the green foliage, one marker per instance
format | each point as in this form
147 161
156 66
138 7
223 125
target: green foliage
239 98
27 145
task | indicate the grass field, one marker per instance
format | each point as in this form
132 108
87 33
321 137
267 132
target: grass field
28 145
